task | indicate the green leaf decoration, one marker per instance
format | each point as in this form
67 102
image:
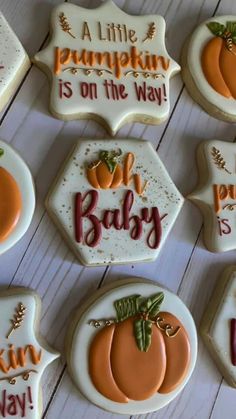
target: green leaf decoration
143 334
156 304
110 158
1 152
145 310
231 27
151 305
216 28
127 307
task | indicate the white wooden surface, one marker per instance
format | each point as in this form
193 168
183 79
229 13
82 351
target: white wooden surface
42 261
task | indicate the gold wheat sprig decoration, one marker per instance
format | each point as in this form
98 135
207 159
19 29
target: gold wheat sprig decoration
65 24
17 318
219 160
151 32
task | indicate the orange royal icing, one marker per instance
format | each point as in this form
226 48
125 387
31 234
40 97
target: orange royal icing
128 165
99 176
119 370
211 66
19 357
138 374
100 367
177 354
228 67
10 204
113 60
221 193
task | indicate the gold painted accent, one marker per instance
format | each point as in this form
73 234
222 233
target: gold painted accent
87 71
145 74
167 328
151 32
101 322
229 41
146 183
25 375
17 318
65 24
219 160
94 164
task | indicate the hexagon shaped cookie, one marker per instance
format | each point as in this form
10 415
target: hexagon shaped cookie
114 202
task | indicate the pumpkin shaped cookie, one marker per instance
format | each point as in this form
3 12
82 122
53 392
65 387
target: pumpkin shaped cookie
209 66
127 356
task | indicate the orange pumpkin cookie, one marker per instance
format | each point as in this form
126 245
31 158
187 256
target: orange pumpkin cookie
17 198
209 66
139 358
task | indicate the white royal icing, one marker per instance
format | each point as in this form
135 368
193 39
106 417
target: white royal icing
14 62
114 112
198 40
103 308
115 246
20 386
219 227
13 163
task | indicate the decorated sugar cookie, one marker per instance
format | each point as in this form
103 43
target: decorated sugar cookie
14 62
24 355
132 347
209 66
107 65
114 202
216 194
17 197
218 325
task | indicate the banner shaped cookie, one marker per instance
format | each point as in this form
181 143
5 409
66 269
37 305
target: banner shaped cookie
17 197
209 66
218 325
107 65
23 355
114 202
14 62
216 194
132 347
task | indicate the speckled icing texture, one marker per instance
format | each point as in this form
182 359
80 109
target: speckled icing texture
198 41
128 83
83 332
216 194
13 61
23 357
13 164
116 245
